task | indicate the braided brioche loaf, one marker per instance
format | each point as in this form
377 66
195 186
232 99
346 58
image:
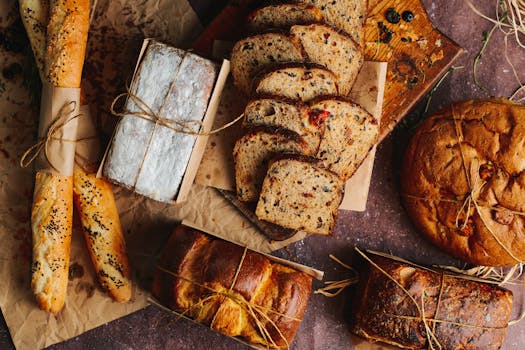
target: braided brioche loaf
211 281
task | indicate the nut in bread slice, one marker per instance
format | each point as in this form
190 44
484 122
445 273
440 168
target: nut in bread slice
350 132
334 50
302 82
280 112
252 54
252 153
283 16
298 193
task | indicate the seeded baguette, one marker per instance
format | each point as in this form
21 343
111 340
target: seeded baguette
255 53
288 114
334 50
347 15
283 16
300 82
298 193
349 135
252 153
51 216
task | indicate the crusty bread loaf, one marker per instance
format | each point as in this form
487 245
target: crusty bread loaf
34 14
251 55
283 16
485 138
51 222
349 135
348 15
298 193
103 233
297 82
66 41
252 152
52 211
462 314
280 112
334 50
200 267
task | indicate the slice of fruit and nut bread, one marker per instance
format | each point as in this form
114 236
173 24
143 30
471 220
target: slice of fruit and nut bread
282 16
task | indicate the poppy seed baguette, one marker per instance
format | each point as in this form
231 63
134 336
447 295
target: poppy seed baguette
298 193
334 50
252 153
280 112
302 82
252 54
350 132
283 16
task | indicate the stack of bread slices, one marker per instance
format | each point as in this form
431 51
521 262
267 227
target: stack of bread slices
304 137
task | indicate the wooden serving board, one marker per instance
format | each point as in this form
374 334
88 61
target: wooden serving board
418 54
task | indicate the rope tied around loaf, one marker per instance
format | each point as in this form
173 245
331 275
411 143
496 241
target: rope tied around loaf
64 116
258 313
471 199
334 288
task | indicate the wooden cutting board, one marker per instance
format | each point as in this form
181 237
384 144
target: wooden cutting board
418 54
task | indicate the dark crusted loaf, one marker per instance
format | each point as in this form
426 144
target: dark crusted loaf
252 54
298 193
332 49
469 315
252 153
302 82
283 16
201 267
291 115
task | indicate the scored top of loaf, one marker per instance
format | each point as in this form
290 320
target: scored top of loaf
148 157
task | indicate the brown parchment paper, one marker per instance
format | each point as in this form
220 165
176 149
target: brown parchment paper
59 152
217 167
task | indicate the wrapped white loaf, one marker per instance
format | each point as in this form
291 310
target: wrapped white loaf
146 154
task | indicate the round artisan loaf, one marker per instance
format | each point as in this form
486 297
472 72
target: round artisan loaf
463 181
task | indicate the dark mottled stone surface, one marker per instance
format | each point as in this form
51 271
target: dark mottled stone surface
384 226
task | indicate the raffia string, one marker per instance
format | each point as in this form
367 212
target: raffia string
334 288
258 313
471 198
63 117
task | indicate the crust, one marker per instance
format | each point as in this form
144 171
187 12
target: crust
66 42
34 14
51 223
103 233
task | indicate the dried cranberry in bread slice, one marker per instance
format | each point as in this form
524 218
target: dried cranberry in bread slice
252 54
334 50
252 153
350 132
301 82
284 113
348 15
298 193
283 16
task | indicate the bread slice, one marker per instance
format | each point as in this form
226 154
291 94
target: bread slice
283 16
280 112
298 82
334 50
252 54
350 132
299 194
252 153
348 15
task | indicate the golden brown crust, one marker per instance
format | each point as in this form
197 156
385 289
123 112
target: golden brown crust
471 315
51 221
66 42
212 264
103 233
435 185
34 14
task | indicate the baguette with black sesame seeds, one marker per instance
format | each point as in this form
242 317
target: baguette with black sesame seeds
60 61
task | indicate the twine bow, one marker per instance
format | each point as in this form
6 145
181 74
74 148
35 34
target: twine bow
258 313
63 117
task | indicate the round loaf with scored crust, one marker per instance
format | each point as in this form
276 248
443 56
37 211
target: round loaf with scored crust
463 181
